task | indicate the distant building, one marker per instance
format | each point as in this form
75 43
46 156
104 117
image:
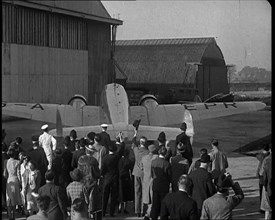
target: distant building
172 69
52 50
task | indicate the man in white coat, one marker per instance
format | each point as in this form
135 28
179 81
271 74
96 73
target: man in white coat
48 143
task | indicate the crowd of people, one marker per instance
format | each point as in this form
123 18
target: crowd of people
91 177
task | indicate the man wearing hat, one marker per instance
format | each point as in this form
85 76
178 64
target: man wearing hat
260 156
48 143
101 151
89 168
183 138
79 152
105 137
220 205
147 192
77 189
179 166
201 183
160 141
161 174
196 164
73 140
218 159
110 173
16 144
139 151
37 154
91 137
67 158
58 168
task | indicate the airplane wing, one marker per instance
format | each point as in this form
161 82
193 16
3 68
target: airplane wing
166 115
254 147
151 132
70 116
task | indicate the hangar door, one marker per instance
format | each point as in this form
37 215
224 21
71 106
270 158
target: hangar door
212 80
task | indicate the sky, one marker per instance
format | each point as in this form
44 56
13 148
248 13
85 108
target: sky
242 28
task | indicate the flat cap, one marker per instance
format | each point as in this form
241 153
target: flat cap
104 125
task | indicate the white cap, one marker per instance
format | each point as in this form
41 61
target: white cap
43 127
104 125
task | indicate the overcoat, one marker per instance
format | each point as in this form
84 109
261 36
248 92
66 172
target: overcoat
146 162
58 205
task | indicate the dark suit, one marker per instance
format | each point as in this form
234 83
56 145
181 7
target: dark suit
183 138
76 155
178 205
179 166
67 159
201 186
71 147
58 205
105 139
39 157
109 170
57 165
161 174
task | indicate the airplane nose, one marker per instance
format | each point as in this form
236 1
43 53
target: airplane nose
189 122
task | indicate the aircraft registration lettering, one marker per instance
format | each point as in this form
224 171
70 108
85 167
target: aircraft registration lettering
207 105
190 107
226 104
210 105
37 105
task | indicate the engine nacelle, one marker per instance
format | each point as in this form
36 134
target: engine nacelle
77 101
148 100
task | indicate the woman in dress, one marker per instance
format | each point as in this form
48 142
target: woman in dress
13 195
24 179
33 185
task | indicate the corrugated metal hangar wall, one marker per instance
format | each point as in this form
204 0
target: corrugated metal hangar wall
48 56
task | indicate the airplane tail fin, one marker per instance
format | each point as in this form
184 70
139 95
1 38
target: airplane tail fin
116 104
59 128
58 132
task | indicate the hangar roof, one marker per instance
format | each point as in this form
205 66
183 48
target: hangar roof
165 60
88 9
201 41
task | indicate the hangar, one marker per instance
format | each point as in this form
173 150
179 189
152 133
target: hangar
171 69
52 50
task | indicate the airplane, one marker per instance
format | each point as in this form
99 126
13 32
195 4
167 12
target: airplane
254 147
118 114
